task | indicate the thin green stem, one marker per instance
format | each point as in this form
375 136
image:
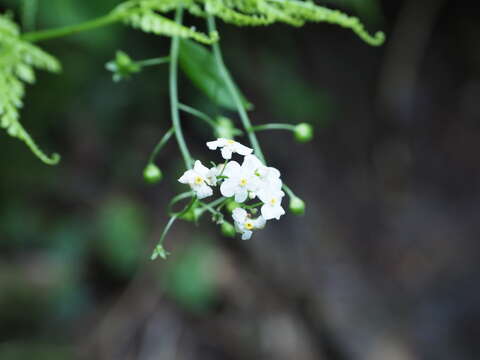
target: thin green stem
108 19
223 167
202 116
174 93
163 141
29 13
210 206
233 91
273 127
154 61
289 191
252 206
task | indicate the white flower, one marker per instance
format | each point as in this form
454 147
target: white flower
272 203
240 180
244 224
228 147
198 179
267 178
213 173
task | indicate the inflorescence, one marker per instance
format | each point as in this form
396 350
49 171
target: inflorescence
241 183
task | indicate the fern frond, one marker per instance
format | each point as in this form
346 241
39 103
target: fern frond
292 12
309 12
17 62
144 15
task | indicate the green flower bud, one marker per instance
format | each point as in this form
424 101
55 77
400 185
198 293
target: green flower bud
231 205
228 230
122 67
152 174
159 251
297 206
192 215
225 128
303 132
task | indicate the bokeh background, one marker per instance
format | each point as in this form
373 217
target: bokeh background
383 266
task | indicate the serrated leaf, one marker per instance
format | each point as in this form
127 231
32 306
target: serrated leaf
17 60
200 67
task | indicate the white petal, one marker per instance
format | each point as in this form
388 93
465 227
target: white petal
187 177
242 149
199 168
272 212
241 195
278 210
212 176
203 191
273 172
274 185
239 215
264 195
213 145
260 222
227 188
226 153
251 162
231 169
246 235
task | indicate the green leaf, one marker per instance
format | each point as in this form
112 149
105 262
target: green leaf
18 59
200 67
191 279
121 229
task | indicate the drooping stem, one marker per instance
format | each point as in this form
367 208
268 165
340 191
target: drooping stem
108 19
160 145
288 191
175 112
198 114
152 62
234 92
273 127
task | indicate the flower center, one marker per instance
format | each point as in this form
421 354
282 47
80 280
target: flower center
273 201
248 225
198 180
243 182
230 142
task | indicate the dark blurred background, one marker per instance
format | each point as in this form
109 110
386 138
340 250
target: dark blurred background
383 266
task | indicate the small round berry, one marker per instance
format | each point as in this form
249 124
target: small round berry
297 206
152 174
227 229
303 132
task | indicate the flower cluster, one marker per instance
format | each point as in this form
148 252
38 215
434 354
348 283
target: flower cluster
241 182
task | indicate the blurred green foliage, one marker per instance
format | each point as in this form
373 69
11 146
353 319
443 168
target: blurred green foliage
121 232
71 234
191 280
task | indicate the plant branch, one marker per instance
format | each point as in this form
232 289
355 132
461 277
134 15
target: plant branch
272 127
160 145
234 92
152 62
198 114
108 19
174 94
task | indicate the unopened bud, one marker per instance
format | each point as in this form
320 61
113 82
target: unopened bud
232 205
297 206
227 229
152 174
303 132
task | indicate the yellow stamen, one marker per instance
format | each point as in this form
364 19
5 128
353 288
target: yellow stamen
230 142
249 225
273 201
243 182
198 180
